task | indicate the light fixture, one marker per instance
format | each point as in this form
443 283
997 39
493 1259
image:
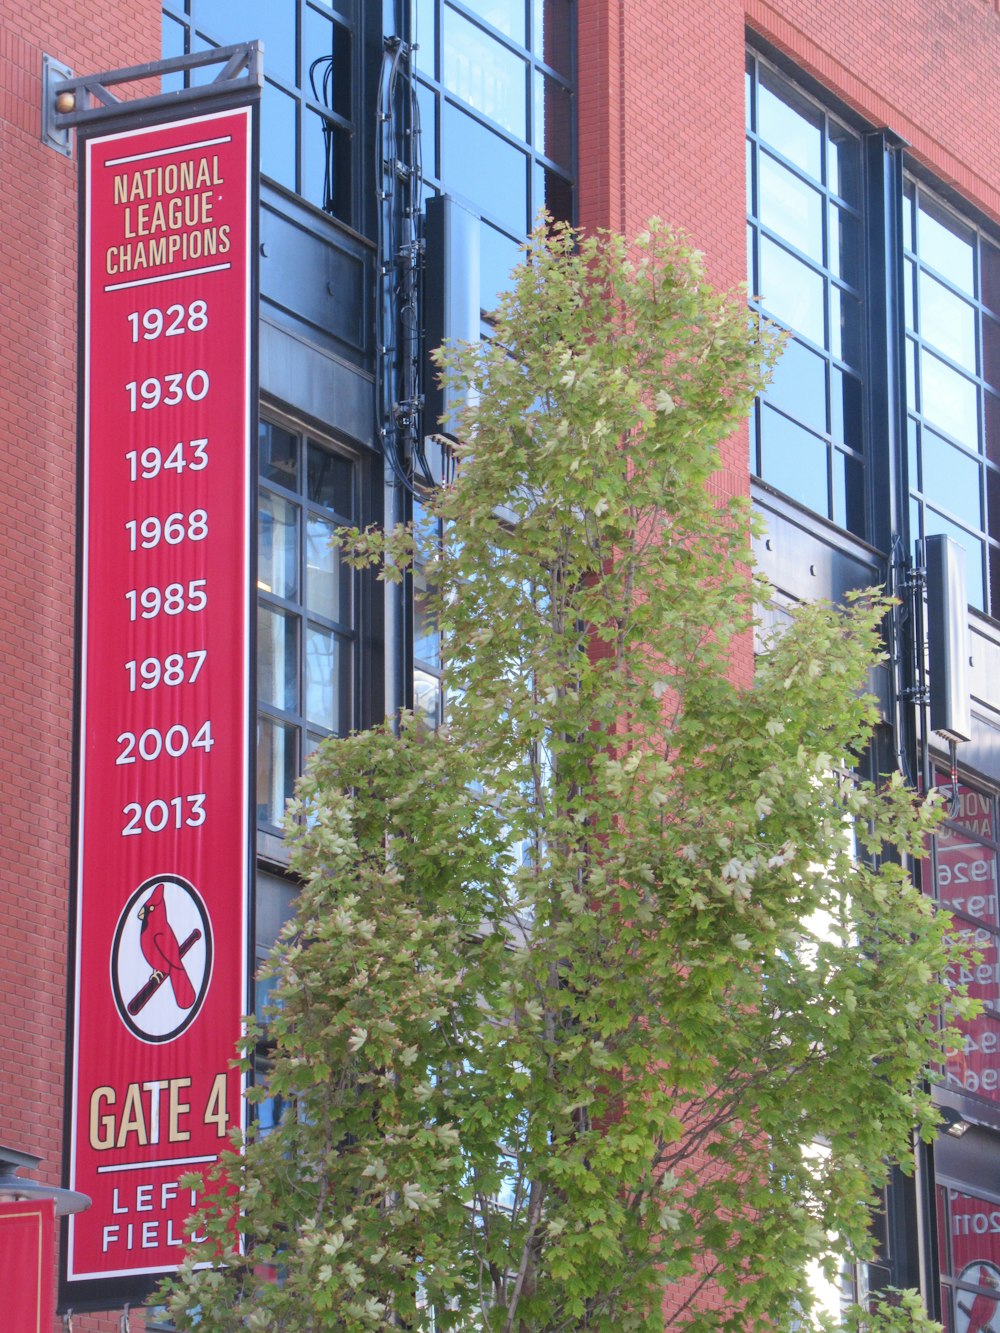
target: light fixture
14 1188
952 1123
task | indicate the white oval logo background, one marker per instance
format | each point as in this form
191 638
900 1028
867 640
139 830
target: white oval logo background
978 1314
151 1011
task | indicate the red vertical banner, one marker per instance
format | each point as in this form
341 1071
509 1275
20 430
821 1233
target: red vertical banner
162 819
27 1232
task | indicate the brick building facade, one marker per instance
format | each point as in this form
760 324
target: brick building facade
608 114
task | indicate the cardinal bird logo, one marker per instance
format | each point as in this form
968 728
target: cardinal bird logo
983 1309
161 958
161 950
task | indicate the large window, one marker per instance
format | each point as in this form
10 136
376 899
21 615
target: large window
310 64
962 875
805 273
952 299
969 1248
495 86
305 636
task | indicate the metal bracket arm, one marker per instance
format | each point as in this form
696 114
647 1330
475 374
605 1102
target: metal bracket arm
242 70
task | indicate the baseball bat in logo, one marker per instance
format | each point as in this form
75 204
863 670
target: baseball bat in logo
161 958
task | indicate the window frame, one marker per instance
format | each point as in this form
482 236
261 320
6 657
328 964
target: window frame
846 502
918 423
308 732
345 129
435 94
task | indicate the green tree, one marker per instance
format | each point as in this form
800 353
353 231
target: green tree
577 983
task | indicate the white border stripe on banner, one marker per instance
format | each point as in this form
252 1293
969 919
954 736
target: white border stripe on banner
164 152
165 277
164 1161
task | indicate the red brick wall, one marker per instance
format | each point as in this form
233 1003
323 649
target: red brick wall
38 225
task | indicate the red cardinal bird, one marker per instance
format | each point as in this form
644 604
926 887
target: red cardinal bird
160 950
984 1308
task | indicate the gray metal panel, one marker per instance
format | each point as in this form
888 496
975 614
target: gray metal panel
948 638
312 274
308 379
807 560
984 664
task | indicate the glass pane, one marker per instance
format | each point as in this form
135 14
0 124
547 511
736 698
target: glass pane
326 62
791 208
326 575
791 292
794 461
912 464
948 322
326 164
498 255
945 244
483 73
979 972
424 18
278 658
553 111
507 15
173 45
848 492
951 479
992 405
845 246
908 239
330 479
845 408
749 178
789 124
753 286
942 1205
277 135
323 674
554 193
989 275
966 875
949 400
990 367
427 697
278 455
480 165
909 305
799 385
426 641
975 1246
843 167
946 1316
277 546
273 21
552 34
277 765
976 814
910 354
935 523
846 329
427 111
